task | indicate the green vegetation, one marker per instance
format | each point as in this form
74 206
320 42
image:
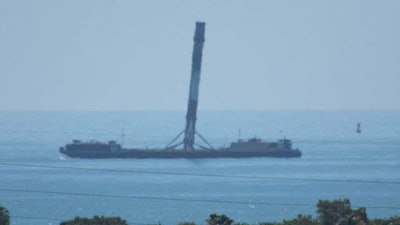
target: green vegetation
336 212
187 223
339 212
395 220
215 219
96 221
4 216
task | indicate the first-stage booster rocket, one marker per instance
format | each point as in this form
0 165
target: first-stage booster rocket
190 129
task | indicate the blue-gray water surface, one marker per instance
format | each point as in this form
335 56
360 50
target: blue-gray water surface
40 186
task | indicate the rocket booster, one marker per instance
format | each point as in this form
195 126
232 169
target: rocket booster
190 128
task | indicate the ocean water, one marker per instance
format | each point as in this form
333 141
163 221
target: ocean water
40 186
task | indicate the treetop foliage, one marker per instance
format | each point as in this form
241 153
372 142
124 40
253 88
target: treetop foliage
4 216
336 212
215 219
96 220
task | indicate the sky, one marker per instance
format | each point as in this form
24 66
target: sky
258 55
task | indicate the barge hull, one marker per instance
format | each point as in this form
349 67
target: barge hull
162 154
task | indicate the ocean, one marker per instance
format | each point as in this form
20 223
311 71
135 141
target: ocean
38 185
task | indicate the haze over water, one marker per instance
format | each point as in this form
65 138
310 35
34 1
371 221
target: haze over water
258 55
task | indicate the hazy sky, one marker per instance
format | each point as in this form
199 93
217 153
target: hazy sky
258 55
